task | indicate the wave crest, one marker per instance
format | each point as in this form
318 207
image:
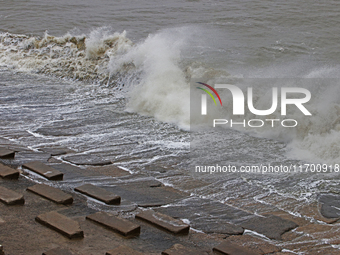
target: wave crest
69 56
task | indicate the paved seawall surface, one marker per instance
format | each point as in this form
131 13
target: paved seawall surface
86 225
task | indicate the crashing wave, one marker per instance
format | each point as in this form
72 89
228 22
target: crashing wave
75 57
158 82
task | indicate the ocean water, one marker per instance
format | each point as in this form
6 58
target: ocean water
114 78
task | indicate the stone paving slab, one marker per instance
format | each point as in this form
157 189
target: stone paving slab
140 180
56 151
24 157
51 193
6 153
99 194
48 172
72 172
329 205
312 210
147 196
61 224
314 231
254 244
32 238
109 170
15 147
120 225
123 250
166 222
58 251
93 160
178 249
186 183
60 130
54 160
209 216
228 248
8 172
301 221
271 226
11 197
210 226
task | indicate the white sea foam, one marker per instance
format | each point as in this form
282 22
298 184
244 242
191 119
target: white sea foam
163 91
82 57
317 137
158 83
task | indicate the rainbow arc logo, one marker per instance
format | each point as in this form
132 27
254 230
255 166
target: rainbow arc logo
204 97
208 92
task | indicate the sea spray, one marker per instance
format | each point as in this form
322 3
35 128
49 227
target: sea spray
78 57
163 91
157 80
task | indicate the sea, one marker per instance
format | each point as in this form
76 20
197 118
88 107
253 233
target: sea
118 79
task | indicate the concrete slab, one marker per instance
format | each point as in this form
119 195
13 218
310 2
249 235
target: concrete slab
56 151
70 171
6 153
16 147
32 238
51 193
24 157
58 251
254 244
48 172
178 249
312 210
11 197
8 172
92 160
228 248
272 226
54 160
186 183
329 204
209 217
140 180
60 130
147 195
166 222
120 225
210 226
61 224
123 250
109 170
99 194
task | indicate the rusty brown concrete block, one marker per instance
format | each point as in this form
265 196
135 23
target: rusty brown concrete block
164 221
178 249
228 248
51 193
11 197
8 172
120 225
6 153
99 194
48 172
61 224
